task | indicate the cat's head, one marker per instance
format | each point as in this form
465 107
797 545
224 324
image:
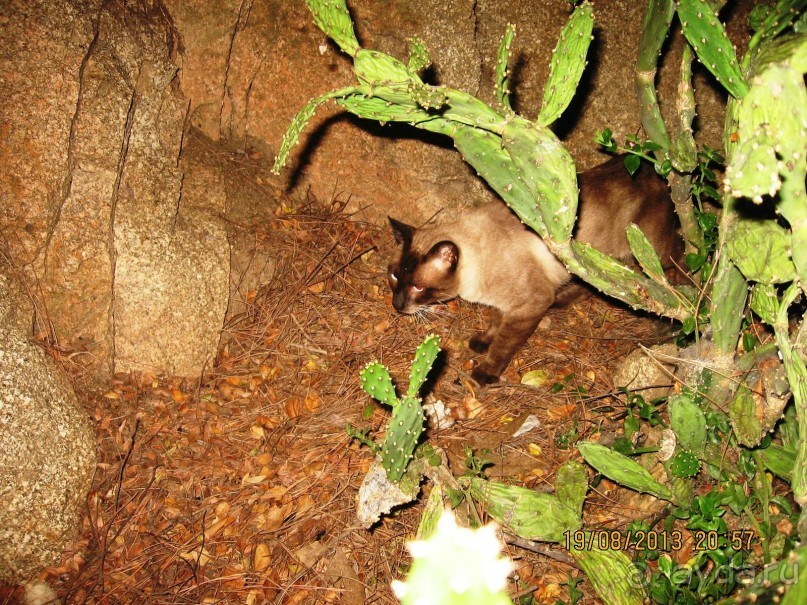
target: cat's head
420 276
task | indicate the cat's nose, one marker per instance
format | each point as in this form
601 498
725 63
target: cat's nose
399 302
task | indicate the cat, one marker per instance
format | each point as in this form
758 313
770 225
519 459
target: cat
488 256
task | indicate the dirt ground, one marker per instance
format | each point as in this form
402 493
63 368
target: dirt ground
241 487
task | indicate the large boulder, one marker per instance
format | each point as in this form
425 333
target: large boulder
47 446
132 257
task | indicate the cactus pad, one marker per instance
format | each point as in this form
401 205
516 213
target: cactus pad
331 17
549 173
424 358
527 513
483 150
403 433
764 302
685 464
708 38
418 55
568 62
376 382
761 250
299 122
466 109
622 469
502 74
745 416
612 574
689 423
406 422
644 254
374 67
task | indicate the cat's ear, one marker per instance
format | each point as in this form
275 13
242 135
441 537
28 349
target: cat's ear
444 257
402 232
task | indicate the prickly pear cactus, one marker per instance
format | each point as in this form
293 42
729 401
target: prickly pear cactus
685 464
502 73
622 469
527 513
688 421
425 356
522 160
456 566
406 422
376 382
708 39
418 55
568 62
612 574
405 427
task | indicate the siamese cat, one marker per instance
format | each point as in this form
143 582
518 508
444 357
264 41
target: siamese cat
488 256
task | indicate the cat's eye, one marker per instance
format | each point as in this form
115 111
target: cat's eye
393 278
417 288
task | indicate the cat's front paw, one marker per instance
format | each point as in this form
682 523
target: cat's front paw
479 342
482 377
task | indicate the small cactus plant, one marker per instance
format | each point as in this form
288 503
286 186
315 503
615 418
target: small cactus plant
406 422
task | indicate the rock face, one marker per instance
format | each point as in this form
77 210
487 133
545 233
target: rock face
132 258
47 447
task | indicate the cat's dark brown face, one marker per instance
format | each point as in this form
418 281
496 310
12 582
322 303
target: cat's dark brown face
420 277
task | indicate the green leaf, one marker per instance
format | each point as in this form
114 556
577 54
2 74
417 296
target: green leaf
694 261
632 163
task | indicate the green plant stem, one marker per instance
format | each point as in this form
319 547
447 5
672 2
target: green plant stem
656 24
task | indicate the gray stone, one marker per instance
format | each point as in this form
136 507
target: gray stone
47 446
650 367
131 269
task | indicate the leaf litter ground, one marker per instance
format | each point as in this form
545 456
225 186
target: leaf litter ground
241 487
